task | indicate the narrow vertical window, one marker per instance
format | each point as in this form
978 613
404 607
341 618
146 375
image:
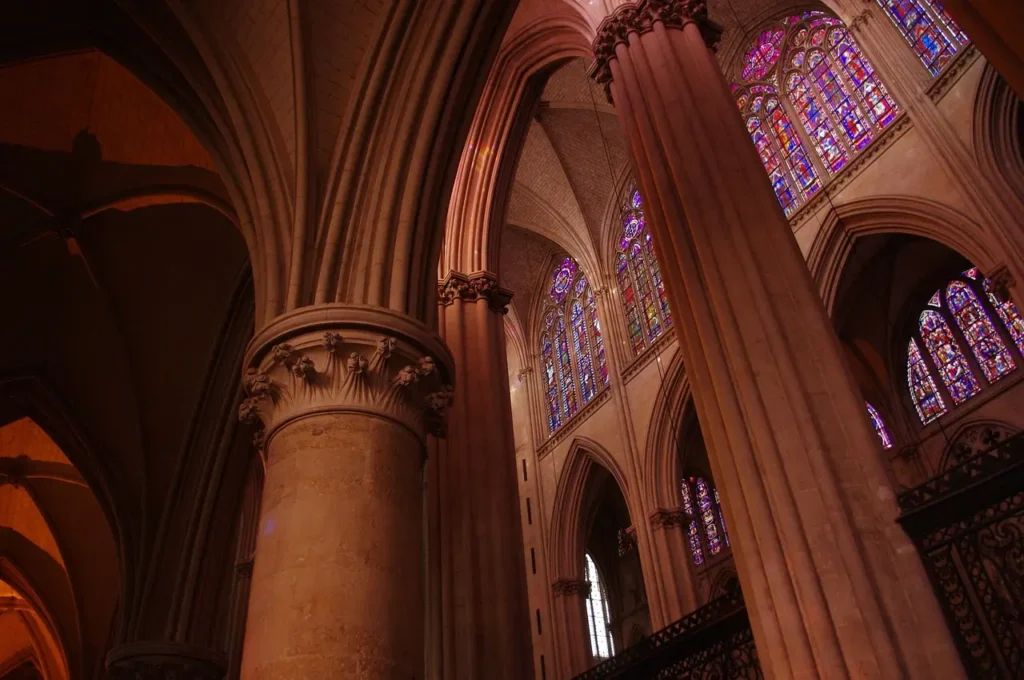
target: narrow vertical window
879 425
928 29
550 381
707 514
595 325
581 343
953 368
565 372
644 299
986 345
597 614
923 391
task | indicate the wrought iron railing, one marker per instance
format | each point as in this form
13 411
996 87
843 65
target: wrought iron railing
715 641
968 525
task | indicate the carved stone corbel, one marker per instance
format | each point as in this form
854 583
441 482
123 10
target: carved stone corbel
566 587
473 287
670 517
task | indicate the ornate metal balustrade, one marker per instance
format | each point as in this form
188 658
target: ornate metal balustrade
968 525
713 642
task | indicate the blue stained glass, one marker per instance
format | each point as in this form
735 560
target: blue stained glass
565 374
880 429
707 514
562 279
923 391
693 536
659 285
760 59
550 383
818 126
1008 314
636 335
879 104
949 360
581 344
919 22
595 324
843 108
986 345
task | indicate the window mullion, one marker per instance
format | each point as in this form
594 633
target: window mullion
838 131
933 369
645 323
855 94
805 137
963 341
997 322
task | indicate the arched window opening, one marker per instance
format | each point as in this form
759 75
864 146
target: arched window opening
880 429
966 304
601 644
572 348
808 69
706 532
928 29
644 299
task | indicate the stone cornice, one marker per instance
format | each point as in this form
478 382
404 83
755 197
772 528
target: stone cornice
568 586
164 661
346 358
561 433
473 287
648 355
952 73
669 517
640 17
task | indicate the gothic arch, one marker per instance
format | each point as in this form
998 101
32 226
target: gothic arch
998 120
568 536
483 181
894 215
661 465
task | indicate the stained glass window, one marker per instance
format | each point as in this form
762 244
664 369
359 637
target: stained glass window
880 429
706 530
923 391
598 617
572 348
831 104
1008 314
644 298
928 29
949 360
986 345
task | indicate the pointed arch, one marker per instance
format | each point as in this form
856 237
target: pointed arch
660 464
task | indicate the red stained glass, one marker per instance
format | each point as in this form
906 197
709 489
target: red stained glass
760 59
922 22
986 345
923 391
953 368
1009 314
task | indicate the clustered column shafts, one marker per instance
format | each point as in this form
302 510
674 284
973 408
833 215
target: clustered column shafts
833 588
344 396
484 604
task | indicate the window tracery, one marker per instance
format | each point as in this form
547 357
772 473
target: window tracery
644 298
598 617
706 524
966 305
928 29
572 347
808 69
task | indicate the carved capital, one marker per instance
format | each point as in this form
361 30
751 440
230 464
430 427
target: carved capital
1002 283
164 661
670 517
524 373
859 20
346 358
640 17
568 586
627 540
477 286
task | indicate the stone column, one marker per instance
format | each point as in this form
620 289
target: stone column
997 28
570 597
833 587
346 395
164 661
668 534
484 604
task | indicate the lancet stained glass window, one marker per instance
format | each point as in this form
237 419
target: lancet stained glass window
966 304
880 428
811 101
572 348
928 29
706 532
598 617
644 299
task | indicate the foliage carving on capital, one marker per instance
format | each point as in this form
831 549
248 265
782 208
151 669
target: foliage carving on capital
673 517
640 17
478 286
359 374
567 587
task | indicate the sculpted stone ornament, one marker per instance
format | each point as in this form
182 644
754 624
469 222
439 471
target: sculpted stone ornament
360 368
164 661
674 517
1002 282
640 17
567 586
477 286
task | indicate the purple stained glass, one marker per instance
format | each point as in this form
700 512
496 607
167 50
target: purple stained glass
918 21
581 285
721 517
1008 313
760 59
707 513
632 224
566 379
562 279
770 160
551 384
693 536
880 429
818 38
923 391
953 368
986 345
935 300
581 343
659 284
684 491
595 326
636 200
840 104
880 106
636 336
644 291
755 106
972 273
817 124
793 148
